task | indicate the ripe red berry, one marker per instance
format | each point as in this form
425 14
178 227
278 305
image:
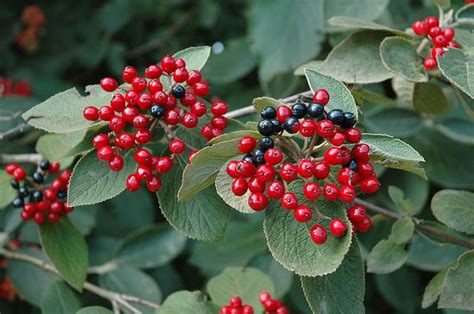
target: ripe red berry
236 302
331 192
239 186
153 71
129 73
275 189
337 139
348 177
10 168
283 112
54 167
153 183
142 156
155 86
106 113
117 103
353 135
160 98
365 169
288 172
91 113
140 122
289 200
257 201
231 169
56 207
318 234
171 102
193 77
325 128
219 108
437 51
117 124
347 193
168 64
435 31
143 172
189 99
273 156
129 113
364 225
431 22
264 297
321 170
108 84
219 122
311 190
198 108
131 97
361 152
124 141
116 163
201 89
245 169
171 117
39 218
180 75
145 101
180 63
356 213
19 173
247 144
369 185
139 84
190 120
302 213
248 309
265 173
453 44
420 28
305 168
133 183
337 227
49 194
164 165
256 185
53 218
430 64
321 97
105 153
440 41
333 156
177 146
307 128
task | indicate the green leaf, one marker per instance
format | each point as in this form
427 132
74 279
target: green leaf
312 65
291 245
399 122
131 281
465 15
402 231
454 209
357 23
202 171
247 283
243 241
386 257
203 216
357 59
7 193
275 44
195 57
366 95
398 197
363 10
31 282
341 97
458 67
261 102
67 250
404 90
55 146
394 153
188 302
444 4
400 56
94 310
282 278
235 135
341 291
429 98
433 289
456 129
60 299
457 291
93 182
62 113
151 246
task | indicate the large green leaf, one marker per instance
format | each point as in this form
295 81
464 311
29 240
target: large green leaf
195 57
357 23
456 129
188 302
433 289
454 209
404 90
357 59
290 243
202 171
247 283
93 182
400 56
363 9
55 146
457 290
62 113
402 230
340 96
386 257
399 122
282 278
341 291
429 98
59 299
151 246
67 250
94 310
275 44
7 193
465 15
458 67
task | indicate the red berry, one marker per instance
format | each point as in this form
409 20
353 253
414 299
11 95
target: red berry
180 75
365 169
198 108
325 128
257 201
124 141
180 63
305 168
431 22
106 113
39 218
100 140
437 51
318 234
420 28
331 192
91 113
105 153
190 120
139 84
231 169
282 310
239 186
353 135
143 172
129 113
321 170
168 64
337 139
129 73
117 102
363 225
142 156
161 98
65 176
201 89
435 31
108 84
247 144
321 97
440 41
54 167
333 156
170 103
143 136
193 77
164 165
42 206
273 156
131 97
140 122
189 99
236 302
256 185
337 227
283 112
56 207
307 127
265 173
369 185
153 71
348 177
247 309
49 194
453 44
288 172
289 200
264 297
219 122
347 193
117 124
361 152
153 183
219 108
275 189
356 213
177 146
133 183
430 64
53 218
11 167
245 169
30 208
116 163
312 191
302 213
155 86
145 101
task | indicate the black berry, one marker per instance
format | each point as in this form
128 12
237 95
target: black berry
277 127
178 91
61 194
15 184
315 110
266 143
258 157
23 191
37 196
336 116
38 177
157 111
349 120
298 110
265 127
269 113
44 165
291 125
248 157
353 165
18 202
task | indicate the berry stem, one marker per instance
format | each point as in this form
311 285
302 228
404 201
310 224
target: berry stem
311 146
172 135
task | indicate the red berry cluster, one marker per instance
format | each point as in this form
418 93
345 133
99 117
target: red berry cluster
440 38
33 19
144 106
10 88
40 201
271 306
265 173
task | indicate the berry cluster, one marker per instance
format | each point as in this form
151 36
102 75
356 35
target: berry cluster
33 19
40 201
271 306
144 106
440 38
10 88
265 172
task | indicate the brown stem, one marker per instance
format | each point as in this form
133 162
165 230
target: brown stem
21 158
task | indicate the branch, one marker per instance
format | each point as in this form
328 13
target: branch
20 158
114 297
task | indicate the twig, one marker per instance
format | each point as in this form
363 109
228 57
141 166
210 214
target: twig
311 146
20 158
11 117
114 297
